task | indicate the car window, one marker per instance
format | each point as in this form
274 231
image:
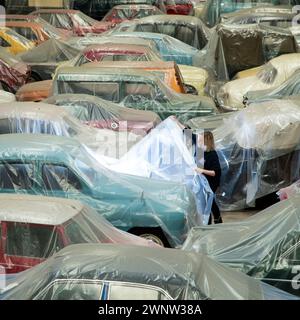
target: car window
145 27
16 176
77 233
4 43
139 89
135 292
28 33
72 289
32 240
60 178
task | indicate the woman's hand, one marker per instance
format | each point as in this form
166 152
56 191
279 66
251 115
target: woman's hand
199 170
211 173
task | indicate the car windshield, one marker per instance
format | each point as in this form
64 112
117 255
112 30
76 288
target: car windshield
268 73
52 32
83 20
8 59
17 37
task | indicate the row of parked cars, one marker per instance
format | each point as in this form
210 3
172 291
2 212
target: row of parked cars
87 187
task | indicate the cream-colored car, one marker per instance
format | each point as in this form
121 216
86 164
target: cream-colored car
194 76
272 74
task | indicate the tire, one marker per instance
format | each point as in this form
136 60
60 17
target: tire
154 234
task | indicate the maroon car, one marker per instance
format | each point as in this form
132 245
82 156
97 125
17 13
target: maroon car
13 72
125 12
184 7
73 20
103 114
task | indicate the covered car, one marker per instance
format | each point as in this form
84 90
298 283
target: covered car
13 72
72 20
258 149
187 29
265 246
34 91
34 228
88 272
288 89
125 12
274 73
184 7
57 166
14 42
132 88
6 96
45 58
290 191
103 114
166 154
40 118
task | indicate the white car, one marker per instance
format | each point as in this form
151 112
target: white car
6 96
272 74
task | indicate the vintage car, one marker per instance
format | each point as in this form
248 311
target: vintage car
170 49
40 118
132 88
289 89
265 246
187 29
271 75
13 72
214 9
14 42
184 7
103 114
72 20
125 12
258 149
56 166
45 58
275 16
33 228
35 91
6 96
118 272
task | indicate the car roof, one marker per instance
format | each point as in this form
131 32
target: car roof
37 209
23 24
132 5
54 11
170 18
32 110
117 46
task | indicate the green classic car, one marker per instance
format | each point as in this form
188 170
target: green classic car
132 88
62 167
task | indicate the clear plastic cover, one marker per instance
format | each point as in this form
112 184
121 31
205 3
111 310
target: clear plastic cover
35 91
34 228
63 167
88 272
104 114
166 154
189 30
132 88
39 118
265 246
258 148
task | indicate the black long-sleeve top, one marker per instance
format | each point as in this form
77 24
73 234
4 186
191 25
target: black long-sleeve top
211 162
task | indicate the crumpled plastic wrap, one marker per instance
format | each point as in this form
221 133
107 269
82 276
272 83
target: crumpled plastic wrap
62 167
163 154
35 91
104 114
258 149
88 272
290 191
188 29
44 58
40 118
132 88
34 228
265 246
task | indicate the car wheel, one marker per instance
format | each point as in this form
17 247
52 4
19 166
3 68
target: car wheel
154 234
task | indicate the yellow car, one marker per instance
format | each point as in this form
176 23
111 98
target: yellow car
13 42
247 73
194 76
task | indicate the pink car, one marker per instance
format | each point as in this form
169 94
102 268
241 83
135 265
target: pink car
33 228
73 20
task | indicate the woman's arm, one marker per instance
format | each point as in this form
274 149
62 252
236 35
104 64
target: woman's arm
211 173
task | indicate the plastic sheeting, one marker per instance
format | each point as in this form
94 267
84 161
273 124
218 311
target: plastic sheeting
100 113
110 272
6 96
290 191
129 12
189 30
232 95
34 228
46 57
34 91
62 167
258 149
265 246
132 88
27 117
163 154
228 49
